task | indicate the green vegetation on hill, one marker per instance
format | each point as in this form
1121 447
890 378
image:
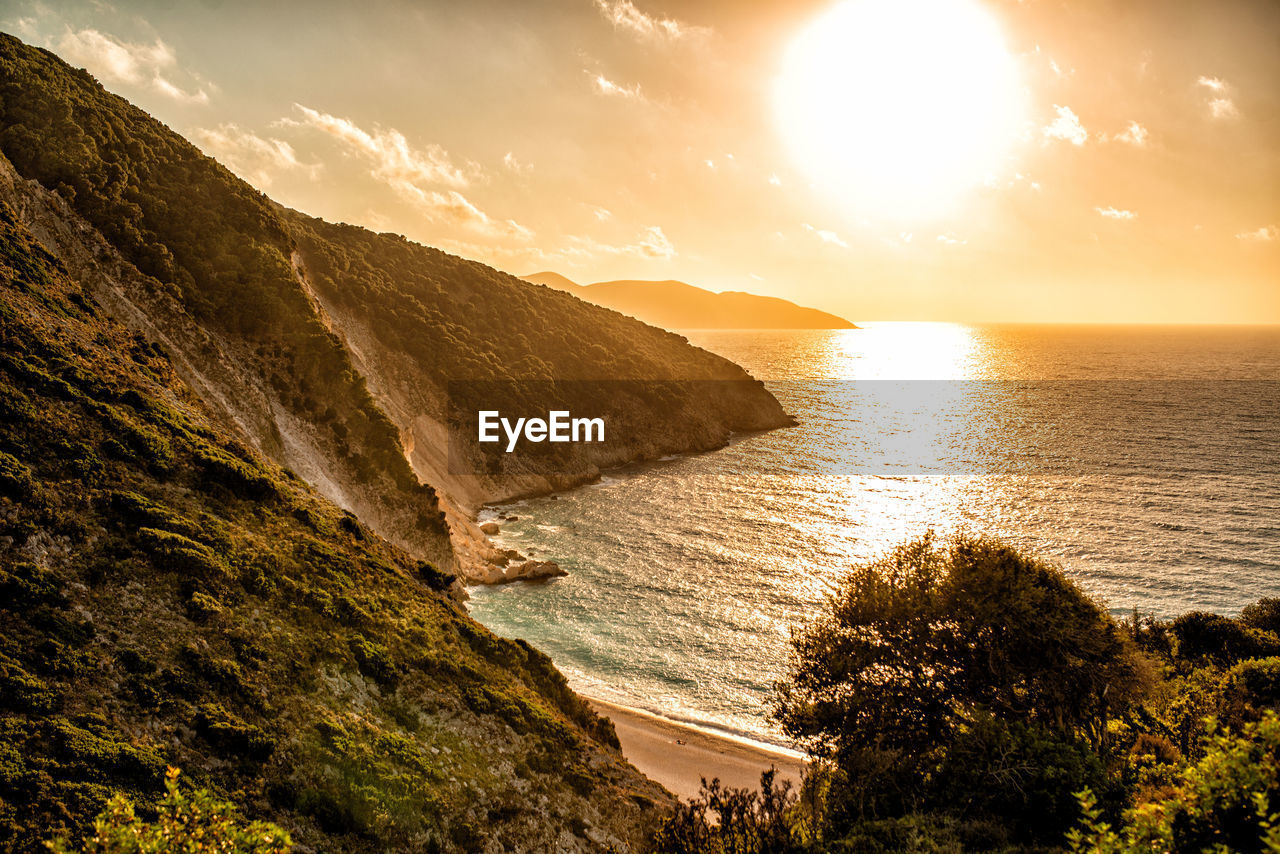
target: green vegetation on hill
230 277
461 320
965 697
167 597
206 238
446 330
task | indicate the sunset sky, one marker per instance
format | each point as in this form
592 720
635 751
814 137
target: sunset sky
881 159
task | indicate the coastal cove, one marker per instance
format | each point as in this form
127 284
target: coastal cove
686 575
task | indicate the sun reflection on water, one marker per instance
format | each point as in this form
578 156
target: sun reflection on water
903 351
907 395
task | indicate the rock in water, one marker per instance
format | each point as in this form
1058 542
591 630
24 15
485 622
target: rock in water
533 570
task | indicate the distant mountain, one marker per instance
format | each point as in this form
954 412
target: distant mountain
677 305
553 280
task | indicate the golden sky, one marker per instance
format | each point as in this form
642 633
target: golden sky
963 160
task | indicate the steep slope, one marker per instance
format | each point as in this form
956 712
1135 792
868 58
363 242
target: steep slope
329 348
677 305
420 323
167 596
193 258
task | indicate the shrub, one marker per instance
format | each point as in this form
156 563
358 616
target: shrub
1228 801
20 691
15 478
373 660
229 733
235 475
1263 615
141 511
742 821
433 577
196 823
1022 775
1249 689
176 553
28 586
202 607
1222 640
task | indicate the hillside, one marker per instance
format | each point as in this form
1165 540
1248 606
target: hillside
229 530
171 597
677 305
329 349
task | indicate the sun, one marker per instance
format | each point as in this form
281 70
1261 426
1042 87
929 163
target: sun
898 107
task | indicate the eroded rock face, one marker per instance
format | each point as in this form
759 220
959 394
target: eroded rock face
233 377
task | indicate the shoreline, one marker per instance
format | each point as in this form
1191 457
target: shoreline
678 755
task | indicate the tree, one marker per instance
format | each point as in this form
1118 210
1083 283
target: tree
197 823
930 644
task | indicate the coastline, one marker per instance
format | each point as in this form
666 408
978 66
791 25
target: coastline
679 755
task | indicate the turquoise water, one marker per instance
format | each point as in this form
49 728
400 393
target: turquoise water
1145 461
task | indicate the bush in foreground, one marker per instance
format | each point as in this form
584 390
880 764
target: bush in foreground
196 823
964 675
741 821
1228 801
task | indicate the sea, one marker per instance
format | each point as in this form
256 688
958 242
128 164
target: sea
1143 460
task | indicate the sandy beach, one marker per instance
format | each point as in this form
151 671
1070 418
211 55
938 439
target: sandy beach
678 755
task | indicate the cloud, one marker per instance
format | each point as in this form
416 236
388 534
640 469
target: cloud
624 16
1266 234
826 236
951 240
650 243
655 244
602 214
115 61
416 175
605 86
392 157
1116 213
514 165
1223 108
1135 135
1220 105
257 159
449 207
28 29
1066 126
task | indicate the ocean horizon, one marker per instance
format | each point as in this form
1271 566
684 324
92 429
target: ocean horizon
1141 459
